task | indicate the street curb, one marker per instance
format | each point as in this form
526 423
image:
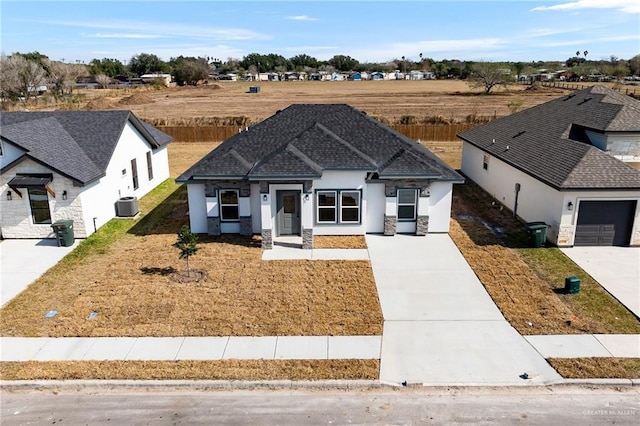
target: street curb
290 384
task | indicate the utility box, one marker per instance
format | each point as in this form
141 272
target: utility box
63 231
537 233
127 207
254 89
572 285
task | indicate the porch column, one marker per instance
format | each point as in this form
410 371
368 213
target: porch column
422 220
265 216
390 215
307 219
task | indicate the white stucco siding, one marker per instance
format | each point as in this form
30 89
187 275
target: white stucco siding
439 203
536 200
197 208
256 220
342 180
9 154
15 214
376 205
99 198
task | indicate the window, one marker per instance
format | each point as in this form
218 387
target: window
407 201
149 166
39 202
1 149
134 173
485 162
350 206
326 206
347 203
229 208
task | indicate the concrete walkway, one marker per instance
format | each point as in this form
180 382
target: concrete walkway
441 326
188 348
587 345
23 261
617 269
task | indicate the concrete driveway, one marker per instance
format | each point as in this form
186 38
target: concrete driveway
23 261
617 269
441 326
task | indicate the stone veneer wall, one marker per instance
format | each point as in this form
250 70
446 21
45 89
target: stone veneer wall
267 239
213 226
211 186
245 225
422 225
390 225
307 239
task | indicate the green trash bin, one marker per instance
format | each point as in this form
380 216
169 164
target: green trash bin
572 285
63 230
537 233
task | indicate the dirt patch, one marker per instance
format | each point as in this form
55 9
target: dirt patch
538 88
229 369
603 368
141 98
339 242
99 104
184 277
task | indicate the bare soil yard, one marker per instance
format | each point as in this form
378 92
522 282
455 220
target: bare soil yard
450 99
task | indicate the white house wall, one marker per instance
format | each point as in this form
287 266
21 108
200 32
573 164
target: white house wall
345 180
376 205
536 200
99 198
439 211
10 153
256 220
197 208
15 214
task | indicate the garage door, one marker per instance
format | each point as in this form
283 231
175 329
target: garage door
605 223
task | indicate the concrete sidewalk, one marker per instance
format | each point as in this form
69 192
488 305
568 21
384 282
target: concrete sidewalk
23 261
587 345
617 269
188 348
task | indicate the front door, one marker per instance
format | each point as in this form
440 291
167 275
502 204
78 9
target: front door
288 212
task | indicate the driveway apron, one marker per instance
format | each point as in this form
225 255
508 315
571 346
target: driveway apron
441 326
617 269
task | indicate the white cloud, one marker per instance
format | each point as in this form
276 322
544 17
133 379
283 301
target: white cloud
626 6
121 35
301 18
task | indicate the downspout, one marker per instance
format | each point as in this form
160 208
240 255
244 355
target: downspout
515 205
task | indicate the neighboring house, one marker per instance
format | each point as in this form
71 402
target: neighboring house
548 163
164 79
377 76
74 165
319 170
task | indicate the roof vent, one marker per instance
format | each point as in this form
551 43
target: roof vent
518 134
493 141
584 101
569 97
507 148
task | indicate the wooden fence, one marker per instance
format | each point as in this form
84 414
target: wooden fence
424 132
580 86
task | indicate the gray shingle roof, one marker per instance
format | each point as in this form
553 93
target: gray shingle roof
549 141
303 140
77 144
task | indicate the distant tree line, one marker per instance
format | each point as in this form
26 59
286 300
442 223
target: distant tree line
22 73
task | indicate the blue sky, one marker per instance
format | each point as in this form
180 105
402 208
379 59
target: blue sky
369 31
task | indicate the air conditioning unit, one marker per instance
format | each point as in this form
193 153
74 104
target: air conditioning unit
127 206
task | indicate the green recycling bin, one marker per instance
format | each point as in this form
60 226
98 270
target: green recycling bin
572 285
537 233
63 230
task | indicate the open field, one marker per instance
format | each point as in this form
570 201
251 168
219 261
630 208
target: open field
388 100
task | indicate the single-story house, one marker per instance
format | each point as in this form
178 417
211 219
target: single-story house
377 76
555 163
74 165
319 170
164 79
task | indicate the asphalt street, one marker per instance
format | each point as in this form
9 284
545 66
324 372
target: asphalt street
564 405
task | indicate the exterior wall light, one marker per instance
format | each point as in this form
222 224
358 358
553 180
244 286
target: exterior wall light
265 197
9 196
570 206
306 197
64 195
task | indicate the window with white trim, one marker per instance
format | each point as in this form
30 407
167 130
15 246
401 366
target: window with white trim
485 162
349 206
407 203
149 166
229 205
326 204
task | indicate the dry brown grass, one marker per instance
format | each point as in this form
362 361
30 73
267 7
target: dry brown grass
448 151
183 155
131 289
339 241
604 368
231 369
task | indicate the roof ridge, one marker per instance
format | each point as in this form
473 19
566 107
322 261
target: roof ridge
235 154
391 159
347 144
302 156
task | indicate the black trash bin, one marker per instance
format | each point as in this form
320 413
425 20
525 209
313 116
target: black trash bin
63 230
571 285
537 233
